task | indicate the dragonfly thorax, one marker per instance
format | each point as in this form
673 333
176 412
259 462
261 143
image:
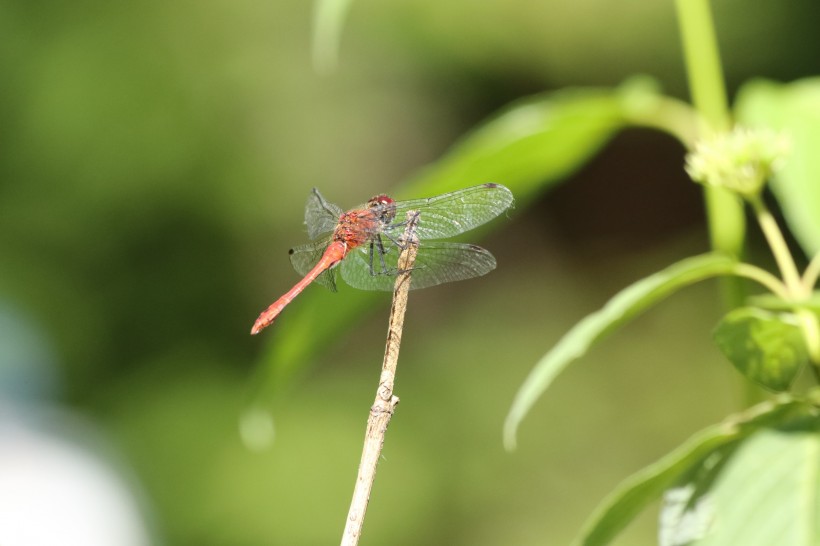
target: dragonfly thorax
357 227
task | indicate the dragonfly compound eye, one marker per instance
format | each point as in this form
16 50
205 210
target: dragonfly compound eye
384 207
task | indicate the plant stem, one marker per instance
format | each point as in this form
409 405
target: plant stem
782 255
724 212
672 116
811 274
763 277
386 401
811 333
727 224
797 288
703 63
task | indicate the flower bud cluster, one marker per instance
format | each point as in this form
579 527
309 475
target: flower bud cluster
741 161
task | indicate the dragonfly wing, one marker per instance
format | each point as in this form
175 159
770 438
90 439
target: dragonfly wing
304 257
436 263
358 273
321 217
452 213
439 263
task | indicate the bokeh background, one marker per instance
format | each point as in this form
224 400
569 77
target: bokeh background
154 162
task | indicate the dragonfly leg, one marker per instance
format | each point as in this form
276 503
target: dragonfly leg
377 246
400 226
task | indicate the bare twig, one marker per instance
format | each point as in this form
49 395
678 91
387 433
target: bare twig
385 403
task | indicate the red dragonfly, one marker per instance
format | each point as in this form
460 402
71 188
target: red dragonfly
365 241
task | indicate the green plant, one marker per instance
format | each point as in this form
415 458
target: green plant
753 479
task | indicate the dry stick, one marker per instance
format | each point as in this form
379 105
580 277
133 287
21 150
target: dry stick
385 403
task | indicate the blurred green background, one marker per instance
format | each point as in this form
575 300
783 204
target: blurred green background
154 162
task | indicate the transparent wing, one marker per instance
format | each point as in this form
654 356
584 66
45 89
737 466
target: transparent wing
436 263
452 213
304 257
321 217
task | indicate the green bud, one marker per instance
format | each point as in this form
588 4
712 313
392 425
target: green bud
741 161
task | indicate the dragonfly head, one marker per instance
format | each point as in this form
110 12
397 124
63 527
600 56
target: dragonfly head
383 206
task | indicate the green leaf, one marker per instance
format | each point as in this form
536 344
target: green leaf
532 144
623 307
328 20
635 493
768 491
766 347
529 147
795 109
686 511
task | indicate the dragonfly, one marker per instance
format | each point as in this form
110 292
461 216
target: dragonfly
363 244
